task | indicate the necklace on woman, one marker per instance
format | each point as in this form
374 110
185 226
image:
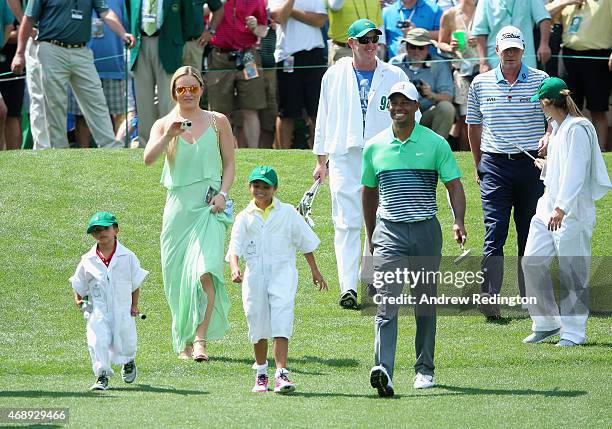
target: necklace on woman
468 24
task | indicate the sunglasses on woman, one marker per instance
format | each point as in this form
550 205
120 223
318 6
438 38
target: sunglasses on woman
364 40
193 89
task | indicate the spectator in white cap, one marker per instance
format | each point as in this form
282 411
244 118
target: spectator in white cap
493 15
503 126
400 172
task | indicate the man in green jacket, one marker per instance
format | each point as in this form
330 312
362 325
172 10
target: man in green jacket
161 28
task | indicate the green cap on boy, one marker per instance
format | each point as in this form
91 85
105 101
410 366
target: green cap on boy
101 219
264 173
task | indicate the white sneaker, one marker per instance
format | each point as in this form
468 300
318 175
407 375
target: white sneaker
128 371
380 380
422 381
101 382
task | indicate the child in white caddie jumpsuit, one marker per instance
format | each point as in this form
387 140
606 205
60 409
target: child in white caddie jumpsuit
575 176
106 286
267 234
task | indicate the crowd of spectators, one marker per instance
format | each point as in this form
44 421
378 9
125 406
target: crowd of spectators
263 61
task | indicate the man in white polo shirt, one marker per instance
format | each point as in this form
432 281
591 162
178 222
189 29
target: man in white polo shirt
502 120
300 62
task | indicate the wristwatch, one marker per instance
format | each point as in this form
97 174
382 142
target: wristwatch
212 31
224 194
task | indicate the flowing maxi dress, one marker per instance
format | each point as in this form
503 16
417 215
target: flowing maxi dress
192 239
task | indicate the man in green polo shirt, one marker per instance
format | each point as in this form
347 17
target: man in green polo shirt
400 171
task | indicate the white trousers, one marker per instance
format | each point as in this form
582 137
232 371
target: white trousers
347 215
110 342
268 299
572 244
38 121
61 66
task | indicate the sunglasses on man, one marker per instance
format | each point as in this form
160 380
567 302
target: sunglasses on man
415 47
182 90
364 40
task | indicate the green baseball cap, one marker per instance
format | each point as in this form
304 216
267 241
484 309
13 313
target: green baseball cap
265 174
550 88
361 27
101 219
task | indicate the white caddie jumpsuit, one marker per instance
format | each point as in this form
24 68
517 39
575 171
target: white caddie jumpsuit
341 135
270 278
575 176
111 330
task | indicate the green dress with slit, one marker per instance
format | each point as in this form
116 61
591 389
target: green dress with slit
192 240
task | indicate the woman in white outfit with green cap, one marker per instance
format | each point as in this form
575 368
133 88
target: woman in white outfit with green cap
575 177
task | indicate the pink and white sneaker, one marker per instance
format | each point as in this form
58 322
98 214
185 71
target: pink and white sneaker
283 385
261 384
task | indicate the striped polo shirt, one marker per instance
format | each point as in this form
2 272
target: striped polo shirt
505 111
406 173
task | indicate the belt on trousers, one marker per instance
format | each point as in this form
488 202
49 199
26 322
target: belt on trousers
230 50
143 34
513 156
344 45
64 45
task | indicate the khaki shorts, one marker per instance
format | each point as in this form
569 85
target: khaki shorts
192 54
223 81
267 115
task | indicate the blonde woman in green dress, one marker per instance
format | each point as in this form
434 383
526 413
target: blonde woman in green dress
199 148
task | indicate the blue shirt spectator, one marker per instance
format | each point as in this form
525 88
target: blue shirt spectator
436 74
6 20
432 79
404 15
104 43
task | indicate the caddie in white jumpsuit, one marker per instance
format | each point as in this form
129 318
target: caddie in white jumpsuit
352 109
575 176
270 279
111 330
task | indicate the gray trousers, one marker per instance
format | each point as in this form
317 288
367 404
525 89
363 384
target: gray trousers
416 247
149 76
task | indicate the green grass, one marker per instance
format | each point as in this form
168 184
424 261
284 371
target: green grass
486 377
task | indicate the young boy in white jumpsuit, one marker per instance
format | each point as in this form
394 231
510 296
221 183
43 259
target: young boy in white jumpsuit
267 234
575 176
106 286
